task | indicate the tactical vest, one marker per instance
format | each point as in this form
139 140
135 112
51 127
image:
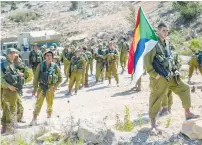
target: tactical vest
77 64
22 68
48 76
89 55
66 54
167 58
36 57
124 47
199 58
111 58
100 55
11 75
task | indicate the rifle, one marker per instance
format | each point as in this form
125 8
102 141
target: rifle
160 69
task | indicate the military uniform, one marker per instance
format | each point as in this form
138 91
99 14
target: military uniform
35 58
76 70
66 61
100 63
86 62
23 69
56 54
195 62
161 86
9 77
91 61
124 48
47 78
112 59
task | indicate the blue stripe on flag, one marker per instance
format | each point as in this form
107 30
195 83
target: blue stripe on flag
139 51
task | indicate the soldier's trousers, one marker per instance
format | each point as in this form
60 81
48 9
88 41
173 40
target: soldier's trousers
123 60
167 100
112 70
75 77
9 106
160 87
86 73
40 99
91 65
83 75
99 71
192 65
66 68
20 108
33 70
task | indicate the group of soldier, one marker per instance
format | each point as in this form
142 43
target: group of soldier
77 60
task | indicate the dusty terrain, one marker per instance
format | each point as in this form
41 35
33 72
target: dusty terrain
100 103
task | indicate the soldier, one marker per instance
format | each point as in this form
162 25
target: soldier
100 63
90 57
111 59
91 60
35 57
66 61
124 48
11 79
23 69
195 62
43 48
48 77
86 62
158 84
56 54
75 71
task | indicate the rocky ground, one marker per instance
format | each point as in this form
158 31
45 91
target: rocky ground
97 107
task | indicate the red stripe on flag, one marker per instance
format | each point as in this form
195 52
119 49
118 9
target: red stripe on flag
132 47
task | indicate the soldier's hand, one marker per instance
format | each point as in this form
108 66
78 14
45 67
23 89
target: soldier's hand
158 77
12 88
54 89
20 74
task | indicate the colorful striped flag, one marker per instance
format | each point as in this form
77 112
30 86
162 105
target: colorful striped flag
143 41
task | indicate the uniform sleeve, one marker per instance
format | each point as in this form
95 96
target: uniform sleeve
148 59
36 78
58 72
4 84
30 57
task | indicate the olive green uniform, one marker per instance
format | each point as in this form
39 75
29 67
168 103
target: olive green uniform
9 76
90 58
161 86
100 64
66 61
23 69
34 59
124 48
91 61
56 56
167 100
112 59
45 80
194 64
75 71
86 62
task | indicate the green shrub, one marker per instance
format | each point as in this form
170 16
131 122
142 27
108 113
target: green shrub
132 17
195 44
74 5
187 10
23 16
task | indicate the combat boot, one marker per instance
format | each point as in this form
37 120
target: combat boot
76 91
163 112
189 80
34 121
117 83
122 71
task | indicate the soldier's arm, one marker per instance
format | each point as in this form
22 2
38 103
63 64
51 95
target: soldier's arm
59 74
148 60
36 78
4 84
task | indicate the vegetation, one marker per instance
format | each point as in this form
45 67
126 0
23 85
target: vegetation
126 125
132 17
30 77
187 10
74 5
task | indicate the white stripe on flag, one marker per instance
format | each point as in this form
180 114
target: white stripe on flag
139 67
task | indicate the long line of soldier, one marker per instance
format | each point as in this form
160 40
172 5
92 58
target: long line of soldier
77 60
